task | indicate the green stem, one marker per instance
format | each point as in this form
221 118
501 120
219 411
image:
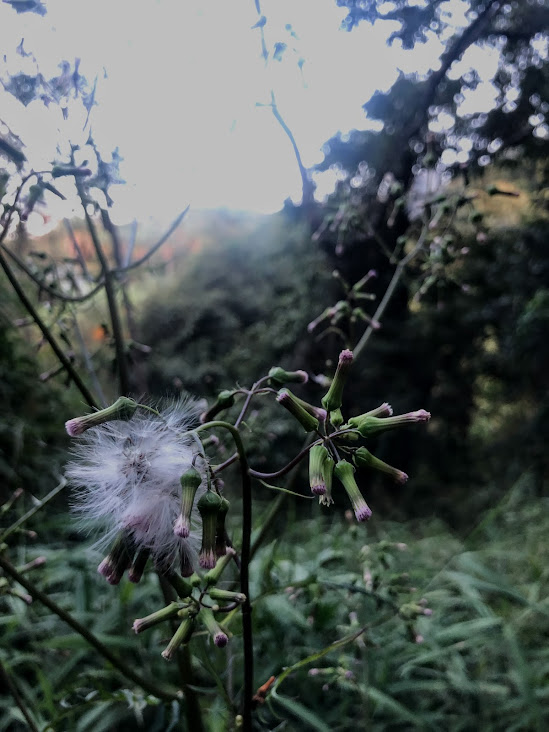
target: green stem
192 704
46 332
245 557
161 692
33 510
17 698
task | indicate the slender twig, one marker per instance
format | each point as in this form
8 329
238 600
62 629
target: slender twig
245 555
46 332
54 292
248 399
286 469
117 334
78 251
88 361
156 247
307 186
162 692
276 506
131 244
26 516
17 698
401 266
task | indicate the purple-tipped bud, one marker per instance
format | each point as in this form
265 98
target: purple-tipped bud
137 568
357 287
317 456
328 313
221 640
219 636
123 409
290 402
368 425
333 399
280 376
190 482
344 471
364 458
208 505
118 560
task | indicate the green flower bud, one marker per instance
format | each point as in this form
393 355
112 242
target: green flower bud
181 586
220 533
328 473
225 399
226 595
316 412
119 558
123 409
138 565
211 577
190 481
364 458
317 455
368 425
181 637
333 399
344 471
336 418
280 376
208 505
219 636
157 617
291 403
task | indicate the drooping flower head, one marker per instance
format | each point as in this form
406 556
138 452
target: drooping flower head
127 479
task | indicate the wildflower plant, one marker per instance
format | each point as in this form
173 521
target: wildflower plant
148 481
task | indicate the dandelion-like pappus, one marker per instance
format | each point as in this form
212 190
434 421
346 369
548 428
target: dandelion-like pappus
127 469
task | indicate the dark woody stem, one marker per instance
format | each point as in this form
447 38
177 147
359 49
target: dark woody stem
46 332
245 555
114 313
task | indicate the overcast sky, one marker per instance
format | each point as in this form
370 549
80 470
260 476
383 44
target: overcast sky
182 84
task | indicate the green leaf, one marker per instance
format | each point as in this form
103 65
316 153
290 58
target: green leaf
301 712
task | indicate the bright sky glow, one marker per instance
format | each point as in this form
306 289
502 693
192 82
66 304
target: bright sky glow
182 86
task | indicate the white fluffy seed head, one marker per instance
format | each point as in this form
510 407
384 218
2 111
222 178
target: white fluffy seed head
126 475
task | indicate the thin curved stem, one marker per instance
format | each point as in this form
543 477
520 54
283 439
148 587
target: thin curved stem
245 556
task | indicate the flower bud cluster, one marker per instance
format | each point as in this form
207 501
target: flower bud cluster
345 313
197 605
325 461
